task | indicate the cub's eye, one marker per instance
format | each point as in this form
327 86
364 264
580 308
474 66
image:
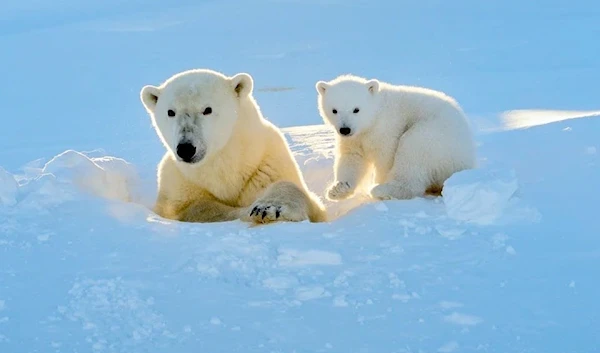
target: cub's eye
207 111
334 111
171 113
356 110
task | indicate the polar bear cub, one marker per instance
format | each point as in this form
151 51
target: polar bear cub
412 138
224 161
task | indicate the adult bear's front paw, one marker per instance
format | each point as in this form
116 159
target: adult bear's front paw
267 211
391 191
340 191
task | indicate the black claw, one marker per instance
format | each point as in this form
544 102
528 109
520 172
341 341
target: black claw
264 214
347 184
254 210
277 212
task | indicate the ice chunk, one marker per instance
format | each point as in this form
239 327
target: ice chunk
8 188
479 195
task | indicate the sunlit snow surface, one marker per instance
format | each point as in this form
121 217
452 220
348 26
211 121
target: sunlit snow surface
86 267
506 261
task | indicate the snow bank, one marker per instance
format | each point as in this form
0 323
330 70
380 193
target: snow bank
479 195
526 118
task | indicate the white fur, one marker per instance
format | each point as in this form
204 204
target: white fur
242 167
413 138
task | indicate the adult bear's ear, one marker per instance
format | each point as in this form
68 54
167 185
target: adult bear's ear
242 84
149 96
321 87
373 86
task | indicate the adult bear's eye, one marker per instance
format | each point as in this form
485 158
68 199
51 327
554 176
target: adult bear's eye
207 111
171 113
356 110
334 111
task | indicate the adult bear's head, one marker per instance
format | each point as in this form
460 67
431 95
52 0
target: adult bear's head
195 112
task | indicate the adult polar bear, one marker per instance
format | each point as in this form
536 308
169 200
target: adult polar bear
415 138
224 161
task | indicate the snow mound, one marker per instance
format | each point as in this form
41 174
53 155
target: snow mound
8 188
478 195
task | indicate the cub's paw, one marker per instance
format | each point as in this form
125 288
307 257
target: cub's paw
276 211
339 191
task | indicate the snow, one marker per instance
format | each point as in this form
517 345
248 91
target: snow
292 258
448 347
506 261
462 319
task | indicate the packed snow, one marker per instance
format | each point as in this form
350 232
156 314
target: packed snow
506 260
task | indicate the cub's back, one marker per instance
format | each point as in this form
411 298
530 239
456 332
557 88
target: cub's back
416 103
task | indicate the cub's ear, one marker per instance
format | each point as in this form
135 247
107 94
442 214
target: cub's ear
149 96
242 84
321 87
373 86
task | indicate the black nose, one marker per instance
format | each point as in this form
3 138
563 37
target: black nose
186 151
345 131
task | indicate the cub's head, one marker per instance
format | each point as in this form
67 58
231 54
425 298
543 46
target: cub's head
195 112
348 103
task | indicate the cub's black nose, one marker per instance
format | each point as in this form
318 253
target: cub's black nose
345 131
186 151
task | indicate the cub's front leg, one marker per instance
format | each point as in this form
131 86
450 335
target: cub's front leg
350 168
